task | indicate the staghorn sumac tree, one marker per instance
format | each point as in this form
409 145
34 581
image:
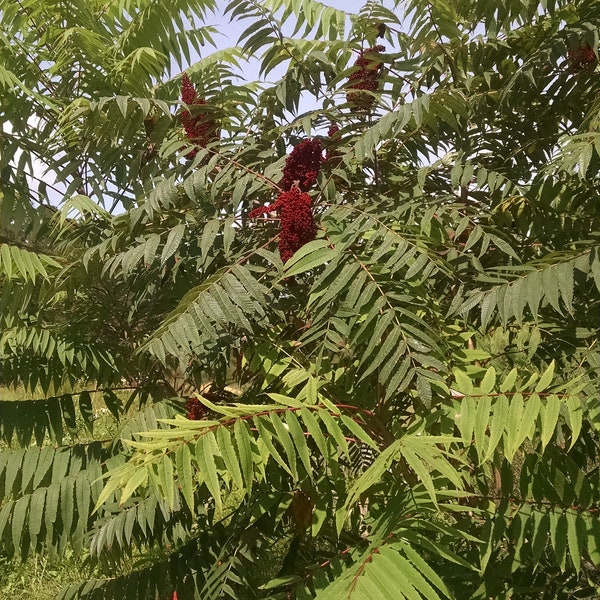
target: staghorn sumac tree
345 318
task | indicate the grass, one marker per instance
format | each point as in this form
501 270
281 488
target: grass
40 577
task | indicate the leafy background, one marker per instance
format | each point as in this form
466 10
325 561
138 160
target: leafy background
407 407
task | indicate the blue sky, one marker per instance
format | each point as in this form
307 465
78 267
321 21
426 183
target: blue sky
229 32
228 36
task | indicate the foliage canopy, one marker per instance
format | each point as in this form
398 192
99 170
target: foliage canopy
407 406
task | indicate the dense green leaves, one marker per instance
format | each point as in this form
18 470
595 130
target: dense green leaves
234 453
407 407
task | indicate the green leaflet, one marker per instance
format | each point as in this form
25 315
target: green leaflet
138 478
243 443
297 434
266 432
310 256
184 471
284 438
384 572
206 448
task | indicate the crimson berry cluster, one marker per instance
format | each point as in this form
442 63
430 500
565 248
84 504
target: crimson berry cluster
365 78
200 128
302 165
581 57
297 222
332 133
294 205
196 411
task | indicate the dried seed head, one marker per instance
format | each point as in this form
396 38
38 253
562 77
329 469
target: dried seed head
365 79
297 224
188 92
302 165
581 57
333 130
331 152
196 411
200 128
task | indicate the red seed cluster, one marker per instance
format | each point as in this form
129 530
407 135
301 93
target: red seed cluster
297 222
302 165
331 152
188 91
199 127
365 78
581 57
196 411
294 205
